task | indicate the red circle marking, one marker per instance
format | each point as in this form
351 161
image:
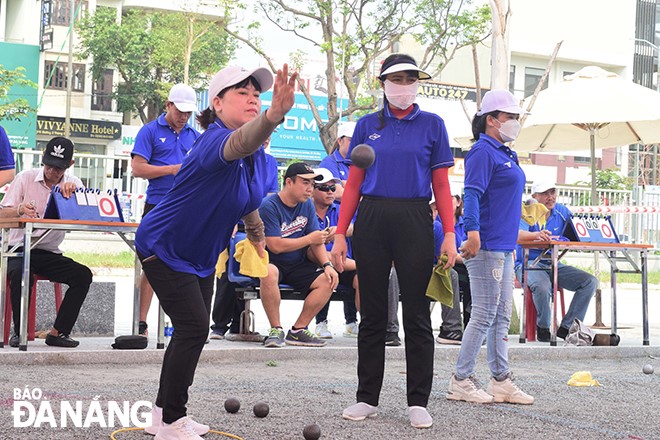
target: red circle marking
606 230
106 206
581 230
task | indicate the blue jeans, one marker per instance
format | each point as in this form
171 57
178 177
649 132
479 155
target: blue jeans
583 284
491 283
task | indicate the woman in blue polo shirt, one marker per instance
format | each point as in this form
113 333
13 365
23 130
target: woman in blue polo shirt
494 184
220 182
394 225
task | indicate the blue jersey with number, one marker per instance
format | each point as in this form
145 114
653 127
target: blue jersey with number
284 221
193 223
407 150
492 169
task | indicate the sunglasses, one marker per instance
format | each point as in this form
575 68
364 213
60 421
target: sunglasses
326 188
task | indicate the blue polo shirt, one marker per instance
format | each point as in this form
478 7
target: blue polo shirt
194 221
286 222
160 145
493 171
439 234
331 219
555 223
6 156
407 150
272 182
337 164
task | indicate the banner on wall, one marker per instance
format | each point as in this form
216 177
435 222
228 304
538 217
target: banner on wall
21 133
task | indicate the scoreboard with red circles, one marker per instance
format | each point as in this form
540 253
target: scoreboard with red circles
590 228
84 204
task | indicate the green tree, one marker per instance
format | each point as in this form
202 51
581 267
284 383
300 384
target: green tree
354 35
12 110
152 50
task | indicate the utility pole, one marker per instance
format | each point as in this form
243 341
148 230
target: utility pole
69 72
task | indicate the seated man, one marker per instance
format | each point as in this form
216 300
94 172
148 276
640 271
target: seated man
28 196
327 214
583 284
291 227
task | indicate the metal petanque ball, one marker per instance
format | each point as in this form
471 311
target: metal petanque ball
232 405
312 432
261 409
647 369
363 156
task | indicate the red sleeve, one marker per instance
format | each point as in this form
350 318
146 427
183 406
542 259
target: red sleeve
442 194
350 198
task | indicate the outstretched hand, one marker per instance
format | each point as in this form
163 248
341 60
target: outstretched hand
283 94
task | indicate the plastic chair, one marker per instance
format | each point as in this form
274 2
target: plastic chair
32 311
530 313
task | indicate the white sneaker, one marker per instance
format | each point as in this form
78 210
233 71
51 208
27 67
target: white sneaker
157 423
419 417
508 391
360 411
467 390
322 330
352 330
179 430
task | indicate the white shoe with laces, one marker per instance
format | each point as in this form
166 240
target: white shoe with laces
322 330
352 330
467 390
179 430
157 423
507 391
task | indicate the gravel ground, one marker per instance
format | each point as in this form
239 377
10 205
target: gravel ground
312 390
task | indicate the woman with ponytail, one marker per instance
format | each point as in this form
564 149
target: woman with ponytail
394 225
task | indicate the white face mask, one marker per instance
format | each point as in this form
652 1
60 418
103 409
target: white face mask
509 130
401 96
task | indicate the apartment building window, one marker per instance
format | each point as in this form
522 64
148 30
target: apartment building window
102 91
62 11
532 78
582 159
55 76
512 77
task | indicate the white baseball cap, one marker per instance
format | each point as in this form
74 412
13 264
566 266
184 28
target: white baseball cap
500 100
183 97
326 176
232 75
346 130
542 185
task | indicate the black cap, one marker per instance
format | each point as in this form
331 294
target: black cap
58 153
303 170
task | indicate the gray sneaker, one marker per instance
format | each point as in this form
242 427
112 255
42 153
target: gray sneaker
275 338
304 338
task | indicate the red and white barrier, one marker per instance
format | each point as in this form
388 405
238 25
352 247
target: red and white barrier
615 209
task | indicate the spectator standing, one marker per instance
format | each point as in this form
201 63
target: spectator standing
337 162
494 184
219 183
394 225
160 147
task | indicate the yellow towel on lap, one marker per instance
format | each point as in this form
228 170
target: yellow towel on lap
221 265
252 264
439 287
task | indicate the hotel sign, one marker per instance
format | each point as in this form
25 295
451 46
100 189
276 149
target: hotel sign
81 128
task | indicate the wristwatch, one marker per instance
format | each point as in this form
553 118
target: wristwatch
326 264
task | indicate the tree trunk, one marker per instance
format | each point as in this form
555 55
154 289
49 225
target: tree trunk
500 56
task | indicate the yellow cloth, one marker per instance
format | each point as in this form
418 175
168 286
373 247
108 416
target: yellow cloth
252 264
221 265
534 213
439 287
582 379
